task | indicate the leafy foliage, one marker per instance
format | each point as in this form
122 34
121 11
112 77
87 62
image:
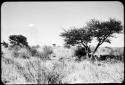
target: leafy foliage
76 36
103 31
18 40
80 52
81 37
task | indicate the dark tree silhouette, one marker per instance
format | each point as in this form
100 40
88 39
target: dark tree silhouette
80 52
18 40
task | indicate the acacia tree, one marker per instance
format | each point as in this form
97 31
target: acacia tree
81 36
18 40
103 31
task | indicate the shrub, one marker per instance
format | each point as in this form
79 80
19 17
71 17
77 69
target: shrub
47 50
24 56
16 48
15 54
53 78
119 58
111 58
49 75
104 57
4 44
118 54
80 52
23 53
34 52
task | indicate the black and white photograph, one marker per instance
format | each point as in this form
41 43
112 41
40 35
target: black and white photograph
62 42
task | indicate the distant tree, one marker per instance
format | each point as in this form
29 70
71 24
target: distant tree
81 37
19 40
103 31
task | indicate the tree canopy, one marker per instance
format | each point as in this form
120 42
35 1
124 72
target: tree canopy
18 40
101 30
80 36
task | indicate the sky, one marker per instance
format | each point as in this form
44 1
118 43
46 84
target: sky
42 22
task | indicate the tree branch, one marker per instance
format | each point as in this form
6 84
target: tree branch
104 39
100 43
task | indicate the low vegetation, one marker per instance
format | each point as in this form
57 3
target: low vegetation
76 62
43 69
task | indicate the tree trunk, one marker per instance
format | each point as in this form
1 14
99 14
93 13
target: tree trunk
87 53
96 48
86 50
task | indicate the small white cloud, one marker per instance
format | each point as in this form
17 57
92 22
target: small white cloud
31 25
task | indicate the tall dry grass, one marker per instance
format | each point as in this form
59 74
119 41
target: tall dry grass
31 69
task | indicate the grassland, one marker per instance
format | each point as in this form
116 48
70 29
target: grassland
56 65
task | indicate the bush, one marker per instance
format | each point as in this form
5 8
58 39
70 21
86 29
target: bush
47 50
21 53
25 56
15 54
118 54
4 44
80 52
111 58
119 58
50 75
53 78
105 57
34 51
